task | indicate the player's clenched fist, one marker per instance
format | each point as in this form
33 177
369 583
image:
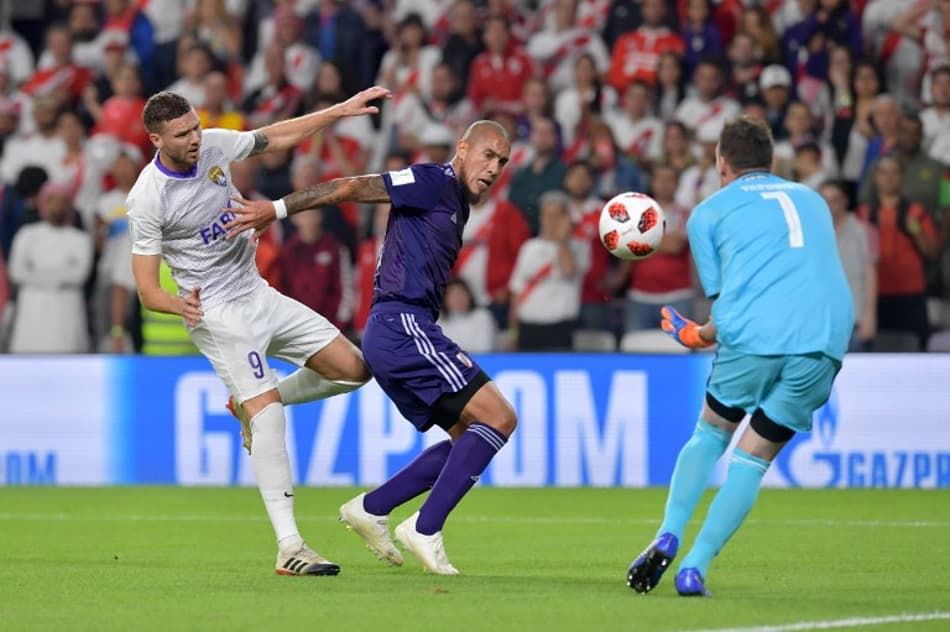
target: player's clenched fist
682 330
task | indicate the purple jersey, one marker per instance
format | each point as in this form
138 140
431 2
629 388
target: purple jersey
423 236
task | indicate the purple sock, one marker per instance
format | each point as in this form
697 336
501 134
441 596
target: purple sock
470 455
408 482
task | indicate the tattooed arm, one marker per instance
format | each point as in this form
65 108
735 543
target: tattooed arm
287 134
257 215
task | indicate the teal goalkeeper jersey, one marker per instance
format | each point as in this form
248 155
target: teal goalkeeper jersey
765 250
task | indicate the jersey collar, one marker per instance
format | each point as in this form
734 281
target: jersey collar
191 173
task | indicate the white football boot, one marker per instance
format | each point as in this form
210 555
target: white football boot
373 529
428 548
304 561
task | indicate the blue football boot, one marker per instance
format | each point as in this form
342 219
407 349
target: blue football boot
689 583
645 571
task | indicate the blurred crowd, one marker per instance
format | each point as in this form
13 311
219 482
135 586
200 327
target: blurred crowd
599 96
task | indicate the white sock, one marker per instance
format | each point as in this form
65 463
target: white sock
305 385
272 469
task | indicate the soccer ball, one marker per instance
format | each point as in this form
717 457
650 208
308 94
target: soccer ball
631 226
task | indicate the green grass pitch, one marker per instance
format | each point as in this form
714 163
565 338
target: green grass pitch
548 559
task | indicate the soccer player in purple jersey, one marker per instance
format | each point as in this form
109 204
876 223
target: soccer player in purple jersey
431 380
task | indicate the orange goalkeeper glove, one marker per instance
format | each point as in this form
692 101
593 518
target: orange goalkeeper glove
682 330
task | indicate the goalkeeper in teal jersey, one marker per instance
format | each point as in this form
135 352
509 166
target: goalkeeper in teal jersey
782 315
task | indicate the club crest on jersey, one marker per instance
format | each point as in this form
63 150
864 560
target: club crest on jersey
217 229
216 175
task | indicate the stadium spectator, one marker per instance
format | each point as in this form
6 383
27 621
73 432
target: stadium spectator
407 67
745 68
472 327
921 176
15 54
49 262
491 239
775 83
448 107
858 249
301 61
311 266
114 283
885 121
636 55
807 166
342 37
700 35
852 129
84 28
639 134
121 114
195 63
556 47
936 118
44 148
908 237
18 205
546 282
623 17
671 85
9 119
708 109
211 26
576 107
613 172
536 103
464 43
277 99
217 110
598 285
666 277
700 180
498 74
544 173
757 22
125 16
677 147
113 58
57 76
800 130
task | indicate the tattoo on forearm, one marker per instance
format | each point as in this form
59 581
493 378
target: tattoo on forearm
357 189
260 142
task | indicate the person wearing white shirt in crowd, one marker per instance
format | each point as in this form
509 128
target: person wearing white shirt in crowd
556 48
301 61
638 133
114 280
43 148
15 54
197 63
700 180
49 263
800 124
936 118
462 320
546 282
706 110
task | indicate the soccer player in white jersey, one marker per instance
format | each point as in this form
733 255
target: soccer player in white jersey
177 211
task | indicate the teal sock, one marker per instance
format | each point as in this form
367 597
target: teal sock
694 465
728 509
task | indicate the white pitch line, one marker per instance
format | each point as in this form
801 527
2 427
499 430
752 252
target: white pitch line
838 623
818 522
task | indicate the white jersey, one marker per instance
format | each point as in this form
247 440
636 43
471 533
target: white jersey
182 217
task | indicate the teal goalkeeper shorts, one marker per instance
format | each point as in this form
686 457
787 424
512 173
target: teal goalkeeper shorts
788 388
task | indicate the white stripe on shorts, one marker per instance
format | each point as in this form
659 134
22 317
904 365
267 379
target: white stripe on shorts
446 362
424 352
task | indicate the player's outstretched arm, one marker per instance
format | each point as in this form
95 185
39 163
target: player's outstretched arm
153 297
287 134
257 215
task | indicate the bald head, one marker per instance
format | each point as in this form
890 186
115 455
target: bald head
477 131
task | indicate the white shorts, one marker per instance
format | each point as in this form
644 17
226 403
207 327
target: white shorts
237 337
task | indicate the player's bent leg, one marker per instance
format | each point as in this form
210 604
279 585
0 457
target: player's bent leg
757 447
336 368
272 469
694 464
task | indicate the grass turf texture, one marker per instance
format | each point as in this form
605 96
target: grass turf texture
549 559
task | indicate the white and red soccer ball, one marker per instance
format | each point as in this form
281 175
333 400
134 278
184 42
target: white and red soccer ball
632 225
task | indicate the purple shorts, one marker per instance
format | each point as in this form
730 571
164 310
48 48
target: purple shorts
427 376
